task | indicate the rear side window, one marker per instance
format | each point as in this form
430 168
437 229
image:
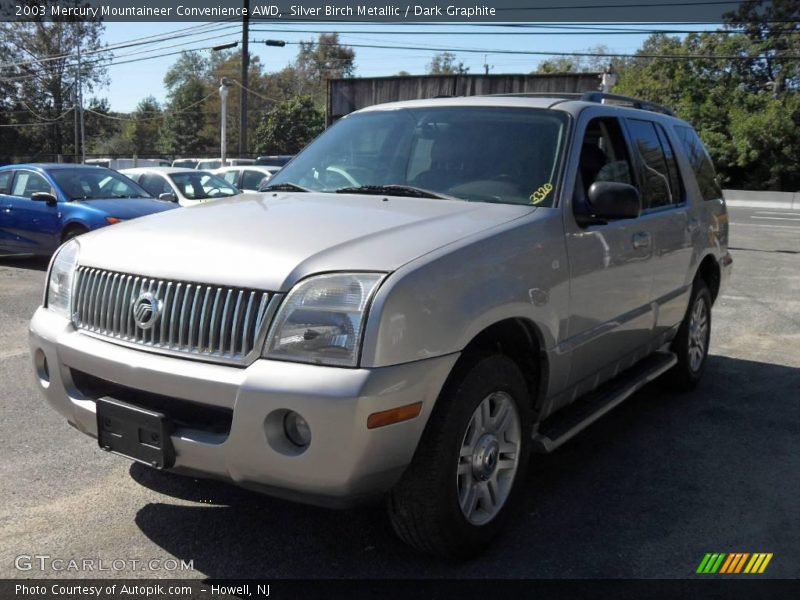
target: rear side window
659 174
5 181
155 185
700 162
251 180
231 177
27 183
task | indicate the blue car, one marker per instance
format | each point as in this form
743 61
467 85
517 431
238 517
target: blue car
44 205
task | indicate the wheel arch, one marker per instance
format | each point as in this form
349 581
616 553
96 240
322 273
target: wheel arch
71 226
522 341
709 271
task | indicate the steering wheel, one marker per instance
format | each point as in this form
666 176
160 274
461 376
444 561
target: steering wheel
504 177
342 173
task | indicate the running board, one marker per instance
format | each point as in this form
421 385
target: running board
571 420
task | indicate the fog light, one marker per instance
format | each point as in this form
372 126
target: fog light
296 429
42 368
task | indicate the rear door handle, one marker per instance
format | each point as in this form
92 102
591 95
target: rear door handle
692 225
641 240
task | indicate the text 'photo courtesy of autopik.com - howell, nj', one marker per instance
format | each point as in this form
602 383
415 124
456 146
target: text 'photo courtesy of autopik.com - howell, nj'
384 299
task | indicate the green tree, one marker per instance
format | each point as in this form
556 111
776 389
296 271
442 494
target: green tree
320 60
43 90
100 124
444 63
582 64
145 131
184 124
187 127
749 124
289 126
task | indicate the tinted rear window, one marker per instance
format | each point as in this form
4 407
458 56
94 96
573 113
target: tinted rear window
5 181
700 162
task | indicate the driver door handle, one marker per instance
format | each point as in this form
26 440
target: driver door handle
641 240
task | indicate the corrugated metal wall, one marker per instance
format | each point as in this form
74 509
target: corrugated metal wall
347 95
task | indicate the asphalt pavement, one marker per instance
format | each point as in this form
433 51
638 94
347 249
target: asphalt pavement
643 493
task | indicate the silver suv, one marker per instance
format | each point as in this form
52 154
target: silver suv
425 295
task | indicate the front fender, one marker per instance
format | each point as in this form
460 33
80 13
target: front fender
437 304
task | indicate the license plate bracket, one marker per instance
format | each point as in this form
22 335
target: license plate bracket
135 432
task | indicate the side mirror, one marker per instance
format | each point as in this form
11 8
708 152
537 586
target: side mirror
44 197
612 200
168 197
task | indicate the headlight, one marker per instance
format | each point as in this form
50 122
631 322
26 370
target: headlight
322 318
59 282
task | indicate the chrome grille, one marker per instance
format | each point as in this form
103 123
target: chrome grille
215 322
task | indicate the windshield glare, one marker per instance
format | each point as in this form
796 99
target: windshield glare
95 184
482 154
202 186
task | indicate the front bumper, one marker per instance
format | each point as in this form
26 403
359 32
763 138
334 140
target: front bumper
345 462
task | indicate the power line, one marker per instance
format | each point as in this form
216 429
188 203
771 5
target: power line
164 115
163 37
576 54
515 33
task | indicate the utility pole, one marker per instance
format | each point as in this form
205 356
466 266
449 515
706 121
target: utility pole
243 90
75 115
80 104
223 114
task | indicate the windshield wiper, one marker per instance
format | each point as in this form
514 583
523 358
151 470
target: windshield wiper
393 190
284 187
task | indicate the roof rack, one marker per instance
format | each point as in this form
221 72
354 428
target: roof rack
601 97
598 97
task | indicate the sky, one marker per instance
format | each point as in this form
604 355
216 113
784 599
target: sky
131 82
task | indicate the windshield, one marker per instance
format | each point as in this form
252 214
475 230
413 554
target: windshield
482 154
200 185
95 184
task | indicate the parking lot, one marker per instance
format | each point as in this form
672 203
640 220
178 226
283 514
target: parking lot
645 492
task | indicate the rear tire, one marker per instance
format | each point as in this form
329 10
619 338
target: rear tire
466 474
691 343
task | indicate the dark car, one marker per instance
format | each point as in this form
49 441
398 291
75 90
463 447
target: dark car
43 205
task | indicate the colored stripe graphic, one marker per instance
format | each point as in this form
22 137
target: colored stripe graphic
729 563
733 563
758 563
741 562
711 563
703 563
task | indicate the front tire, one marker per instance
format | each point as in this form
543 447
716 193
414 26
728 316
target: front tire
691 343
465 476
73 232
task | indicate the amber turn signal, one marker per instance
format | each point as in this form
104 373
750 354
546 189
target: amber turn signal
113 220
394 415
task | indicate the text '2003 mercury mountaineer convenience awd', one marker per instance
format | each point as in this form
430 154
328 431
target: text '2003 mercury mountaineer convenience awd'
425 295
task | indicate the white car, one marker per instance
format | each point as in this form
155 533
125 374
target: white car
246 177
207 164
184 186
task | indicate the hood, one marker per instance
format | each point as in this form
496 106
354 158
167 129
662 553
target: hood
126 208
270 241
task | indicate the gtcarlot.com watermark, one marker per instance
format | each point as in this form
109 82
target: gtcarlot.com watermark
55 564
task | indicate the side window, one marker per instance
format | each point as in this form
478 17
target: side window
155 185
604 156
700 162
660 182
251 180
231 177
5 181
27 183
